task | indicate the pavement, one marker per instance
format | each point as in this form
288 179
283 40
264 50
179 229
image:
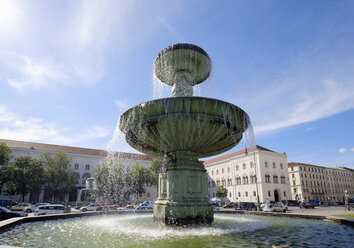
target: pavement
320 211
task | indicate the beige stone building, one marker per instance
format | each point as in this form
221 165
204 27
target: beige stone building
249 174
310 182
83 161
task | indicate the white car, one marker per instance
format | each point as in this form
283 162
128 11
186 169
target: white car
32 208
91 207
274 207
49 209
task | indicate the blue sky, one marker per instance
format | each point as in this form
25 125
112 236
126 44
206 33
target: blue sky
69 69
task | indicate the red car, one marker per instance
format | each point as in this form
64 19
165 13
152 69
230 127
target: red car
230 205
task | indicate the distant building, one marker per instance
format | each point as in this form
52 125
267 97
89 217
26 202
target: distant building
83 161
310 182
250 173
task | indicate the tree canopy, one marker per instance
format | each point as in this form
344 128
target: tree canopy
221 192
5 154
59 174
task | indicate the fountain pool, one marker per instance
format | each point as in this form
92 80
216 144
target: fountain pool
139 230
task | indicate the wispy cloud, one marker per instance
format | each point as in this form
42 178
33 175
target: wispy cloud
17 127
122 104
342 150
352 149
35 74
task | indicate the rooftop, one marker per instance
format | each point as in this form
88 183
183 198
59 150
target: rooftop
69 149
244 151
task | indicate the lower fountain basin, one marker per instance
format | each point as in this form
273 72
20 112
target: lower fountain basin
138 230
201 127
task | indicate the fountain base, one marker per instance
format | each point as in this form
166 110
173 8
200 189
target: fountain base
183 193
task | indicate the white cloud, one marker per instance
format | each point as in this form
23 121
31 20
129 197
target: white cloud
122 104
17 127
352 149
294 103
35 74
342 150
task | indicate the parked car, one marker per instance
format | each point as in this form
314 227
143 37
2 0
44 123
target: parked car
49 209
91 207
107 208
6 213
32 208
315 202
230 205
143 208
307 205
274 207
127 207
250 206
20 206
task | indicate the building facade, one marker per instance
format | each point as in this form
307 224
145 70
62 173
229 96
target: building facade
83 161
250 174
313 182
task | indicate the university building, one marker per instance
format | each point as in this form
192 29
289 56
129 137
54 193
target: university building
83 161
310 182
249 174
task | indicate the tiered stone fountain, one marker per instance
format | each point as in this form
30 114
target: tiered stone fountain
183 129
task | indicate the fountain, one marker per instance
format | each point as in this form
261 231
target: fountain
183 129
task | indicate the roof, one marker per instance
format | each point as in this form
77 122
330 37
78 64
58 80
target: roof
244 151
335 167
70 149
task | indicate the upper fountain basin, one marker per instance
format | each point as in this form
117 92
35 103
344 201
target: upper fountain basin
187 59
201 127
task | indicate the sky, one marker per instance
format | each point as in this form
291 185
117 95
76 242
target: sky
69 69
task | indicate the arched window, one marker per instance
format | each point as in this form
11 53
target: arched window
267 178
229 182
275 179
223 182
84 177
222 171
217 172
238 180
273 165
269 193
245 179
251 164
218 182
266 164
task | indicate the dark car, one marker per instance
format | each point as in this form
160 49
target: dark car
7 214
250 206
307 205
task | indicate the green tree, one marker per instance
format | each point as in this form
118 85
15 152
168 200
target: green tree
113 183
138 177
59 174
154 171
23 175
221 193
5 154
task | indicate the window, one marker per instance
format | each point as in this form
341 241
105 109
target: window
229 182
254 193
273 165
222 171
267 178
281 166
239 194
300 168
275 179
292 168
230 194
237 167
282 179
245 179
244 166
213 184
251 164
212 173
217 182
76 166
294 190
266 164
238 180
294 183
269 193
148 194
87 167
228 169
246 193
293 175
209 184
284 194
223 182
217 172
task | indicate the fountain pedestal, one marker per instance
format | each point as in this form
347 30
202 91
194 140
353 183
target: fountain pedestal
183 193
